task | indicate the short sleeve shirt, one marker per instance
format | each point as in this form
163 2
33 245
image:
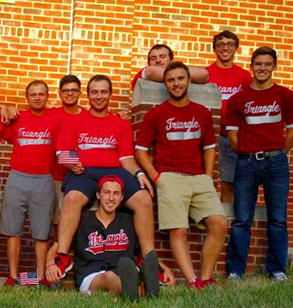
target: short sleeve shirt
230 81
97 248
179 136
260 118
100 141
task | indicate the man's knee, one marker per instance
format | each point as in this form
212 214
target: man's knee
75 199
110 276
178 234
217 224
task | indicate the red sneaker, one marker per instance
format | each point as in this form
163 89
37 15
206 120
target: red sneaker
209 281
11 282
196 283
64 263
161 278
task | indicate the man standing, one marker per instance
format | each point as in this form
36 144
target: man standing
159 57
29 188
255 124
184 151
105 146
230 79
69 92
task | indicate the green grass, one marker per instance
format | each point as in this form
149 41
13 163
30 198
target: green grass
254 291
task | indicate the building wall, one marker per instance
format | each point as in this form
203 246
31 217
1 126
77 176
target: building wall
47 39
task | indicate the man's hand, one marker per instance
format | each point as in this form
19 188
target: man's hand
4 115
168 275
145 183
53 273
76 169
12 112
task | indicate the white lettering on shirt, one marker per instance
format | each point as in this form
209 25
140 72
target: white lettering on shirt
31 134
227 92
267 109
188 125
85 138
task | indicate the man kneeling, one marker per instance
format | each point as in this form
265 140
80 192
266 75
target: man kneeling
104 247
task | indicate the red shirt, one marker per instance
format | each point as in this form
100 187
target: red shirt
59 171
34 140
230 81
100 141
259 117
179 135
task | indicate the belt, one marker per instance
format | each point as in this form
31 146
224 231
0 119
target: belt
261 155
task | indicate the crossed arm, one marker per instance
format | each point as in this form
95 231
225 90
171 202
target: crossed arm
197 74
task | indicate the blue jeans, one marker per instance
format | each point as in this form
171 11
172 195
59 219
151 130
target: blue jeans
273 174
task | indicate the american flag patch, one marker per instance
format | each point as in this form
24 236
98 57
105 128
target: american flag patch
28 279
68 157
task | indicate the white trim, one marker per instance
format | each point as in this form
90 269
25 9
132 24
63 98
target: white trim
232 128
140 147
208 147
125 157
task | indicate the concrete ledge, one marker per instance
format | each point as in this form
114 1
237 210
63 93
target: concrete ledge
259 214
152 92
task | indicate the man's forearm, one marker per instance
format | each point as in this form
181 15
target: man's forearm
209 161
51 253
198 74
289 139
155 73
130 165
145 162
233 139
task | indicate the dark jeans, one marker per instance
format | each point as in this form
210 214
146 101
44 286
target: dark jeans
273 173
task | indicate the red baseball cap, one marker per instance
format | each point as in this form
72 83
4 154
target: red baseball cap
110 178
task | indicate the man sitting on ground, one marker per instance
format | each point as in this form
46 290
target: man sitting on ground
104 247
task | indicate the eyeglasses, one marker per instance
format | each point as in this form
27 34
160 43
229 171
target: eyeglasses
66 91
229 45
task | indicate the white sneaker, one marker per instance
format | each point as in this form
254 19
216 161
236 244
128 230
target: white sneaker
278 276
234 276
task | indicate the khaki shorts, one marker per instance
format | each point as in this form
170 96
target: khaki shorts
182 195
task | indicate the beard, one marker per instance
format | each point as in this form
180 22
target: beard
180 97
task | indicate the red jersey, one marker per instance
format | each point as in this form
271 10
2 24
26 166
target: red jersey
59 171
259 117
100 141
140 74
34 140
230 81
179 136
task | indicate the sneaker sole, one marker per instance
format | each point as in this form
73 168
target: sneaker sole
129 278
150 269
67 269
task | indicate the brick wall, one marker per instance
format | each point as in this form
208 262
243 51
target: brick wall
47 39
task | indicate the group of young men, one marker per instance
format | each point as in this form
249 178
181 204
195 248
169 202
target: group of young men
99 156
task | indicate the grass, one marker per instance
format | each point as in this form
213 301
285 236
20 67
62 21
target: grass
255 291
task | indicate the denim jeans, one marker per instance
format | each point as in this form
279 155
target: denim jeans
273 173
